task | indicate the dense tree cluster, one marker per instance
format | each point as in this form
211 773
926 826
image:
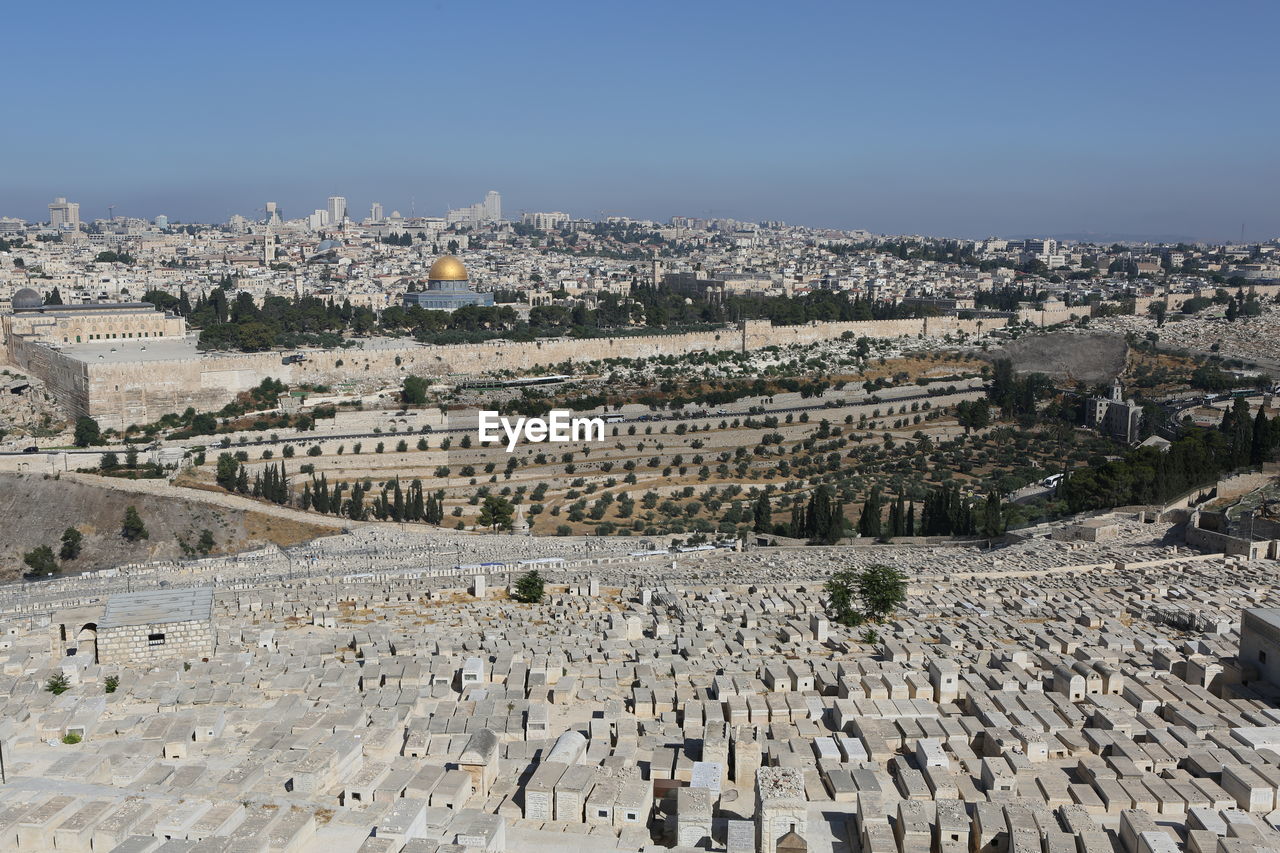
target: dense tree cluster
1015 395
1146 475
230 320
821 520
392 503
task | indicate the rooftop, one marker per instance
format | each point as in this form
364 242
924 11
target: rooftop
133 349
158 607
86 307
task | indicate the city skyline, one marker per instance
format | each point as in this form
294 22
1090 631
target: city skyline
938 121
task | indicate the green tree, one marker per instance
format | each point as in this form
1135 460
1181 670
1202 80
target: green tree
993 519
57 684
853 595
974 414
206 542
228 469
108 461
762 514
870 522
414 392
883 589
71 542
841 589
529 588
87 432
40 560
496 512
1159 310
204 424
133 529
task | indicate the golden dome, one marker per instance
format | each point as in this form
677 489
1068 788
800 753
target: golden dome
447 268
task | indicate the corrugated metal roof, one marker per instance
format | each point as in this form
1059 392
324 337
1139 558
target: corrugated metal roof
158 607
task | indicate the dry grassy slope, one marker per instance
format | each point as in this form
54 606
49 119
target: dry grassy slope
1092 358
36 510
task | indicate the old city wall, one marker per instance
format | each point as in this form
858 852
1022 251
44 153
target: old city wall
137 392
1175 300
65 377
120 394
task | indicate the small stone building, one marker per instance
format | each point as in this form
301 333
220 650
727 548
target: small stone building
141 627
1260 643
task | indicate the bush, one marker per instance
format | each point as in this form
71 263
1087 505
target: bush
110 684
57 684
71 738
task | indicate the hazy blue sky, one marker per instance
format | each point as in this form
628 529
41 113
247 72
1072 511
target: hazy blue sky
964 119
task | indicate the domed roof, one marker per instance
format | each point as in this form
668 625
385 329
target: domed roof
27 298
328 246
447 268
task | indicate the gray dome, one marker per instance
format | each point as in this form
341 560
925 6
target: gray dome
27 298
328 246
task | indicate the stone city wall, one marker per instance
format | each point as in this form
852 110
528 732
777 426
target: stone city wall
1175 300
65 378
123 393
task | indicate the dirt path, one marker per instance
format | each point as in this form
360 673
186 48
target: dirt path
163 489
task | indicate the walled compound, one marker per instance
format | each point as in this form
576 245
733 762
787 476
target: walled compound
123 382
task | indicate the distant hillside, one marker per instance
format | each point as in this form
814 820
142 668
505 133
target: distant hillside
1068 356
36 510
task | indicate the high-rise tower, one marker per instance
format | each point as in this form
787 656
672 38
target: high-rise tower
64 215
337 209
493 206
